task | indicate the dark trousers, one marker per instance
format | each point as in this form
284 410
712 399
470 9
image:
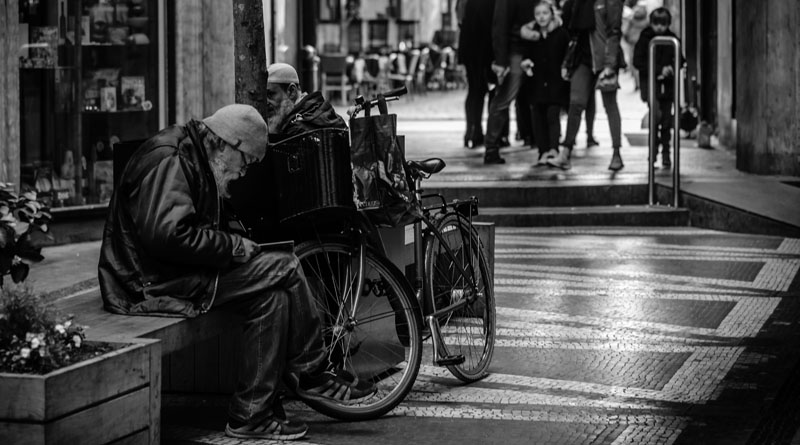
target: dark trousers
282 331
498 106
664 124
546 121
477 88
523 108
581 89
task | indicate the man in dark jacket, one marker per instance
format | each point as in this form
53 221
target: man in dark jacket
166 252
290 110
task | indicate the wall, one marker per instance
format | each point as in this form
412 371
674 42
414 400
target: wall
767 85
204 57
9 92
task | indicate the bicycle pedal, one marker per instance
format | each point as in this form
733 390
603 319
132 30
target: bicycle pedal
451 360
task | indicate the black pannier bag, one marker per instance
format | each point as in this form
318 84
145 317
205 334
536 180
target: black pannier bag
382 189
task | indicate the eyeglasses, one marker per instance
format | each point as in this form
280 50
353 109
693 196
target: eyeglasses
247 160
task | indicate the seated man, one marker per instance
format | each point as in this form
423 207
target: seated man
165 252
291 111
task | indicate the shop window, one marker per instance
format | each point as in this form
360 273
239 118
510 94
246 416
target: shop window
354 37
406 33
89 78
329 10
378 35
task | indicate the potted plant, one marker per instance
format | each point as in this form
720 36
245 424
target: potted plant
20 215
58 388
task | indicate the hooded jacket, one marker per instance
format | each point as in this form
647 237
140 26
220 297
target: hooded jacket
311 112
162 247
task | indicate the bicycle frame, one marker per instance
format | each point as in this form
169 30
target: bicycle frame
419 252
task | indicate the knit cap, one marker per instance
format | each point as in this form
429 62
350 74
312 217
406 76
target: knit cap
282 73
242 127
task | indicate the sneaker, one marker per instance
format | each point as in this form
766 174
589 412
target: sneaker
549 154
666 162
561 161
272 428
616 162
332 386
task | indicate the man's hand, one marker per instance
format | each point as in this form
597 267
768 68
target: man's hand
667 71
500 71
244 251
607 72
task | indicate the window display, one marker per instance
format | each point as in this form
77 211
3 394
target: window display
89 78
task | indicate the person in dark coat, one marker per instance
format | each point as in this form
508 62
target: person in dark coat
660 20
166 251
290 111
507 46
547 92
475 53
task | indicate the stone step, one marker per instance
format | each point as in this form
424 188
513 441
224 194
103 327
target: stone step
617 215
542 194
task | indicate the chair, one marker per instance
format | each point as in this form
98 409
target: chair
406 72
334 76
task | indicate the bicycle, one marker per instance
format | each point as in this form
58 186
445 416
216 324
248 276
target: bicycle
377 319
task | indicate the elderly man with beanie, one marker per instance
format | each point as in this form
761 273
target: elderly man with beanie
290 111
166 251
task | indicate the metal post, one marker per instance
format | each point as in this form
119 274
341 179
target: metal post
651 100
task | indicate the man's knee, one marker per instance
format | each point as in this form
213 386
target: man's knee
276 264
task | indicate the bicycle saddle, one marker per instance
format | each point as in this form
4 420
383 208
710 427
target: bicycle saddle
428 166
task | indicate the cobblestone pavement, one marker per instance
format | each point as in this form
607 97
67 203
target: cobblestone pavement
605 336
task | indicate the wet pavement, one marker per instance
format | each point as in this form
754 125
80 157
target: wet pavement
605 336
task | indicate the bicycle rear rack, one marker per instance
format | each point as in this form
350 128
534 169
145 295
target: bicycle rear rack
439 359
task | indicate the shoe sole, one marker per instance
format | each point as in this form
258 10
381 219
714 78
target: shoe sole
248 435
303 395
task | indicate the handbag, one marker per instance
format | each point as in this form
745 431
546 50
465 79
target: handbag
570 62
608 84
380 182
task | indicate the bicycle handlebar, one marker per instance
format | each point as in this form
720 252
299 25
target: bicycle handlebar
388 96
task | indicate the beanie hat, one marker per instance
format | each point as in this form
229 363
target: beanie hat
242 127
282 73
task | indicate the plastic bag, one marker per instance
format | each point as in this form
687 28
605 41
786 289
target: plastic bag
380 183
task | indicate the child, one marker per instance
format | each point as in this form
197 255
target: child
547 92
660 20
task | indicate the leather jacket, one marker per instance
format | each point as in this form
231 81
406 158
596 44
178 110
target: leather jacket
162 247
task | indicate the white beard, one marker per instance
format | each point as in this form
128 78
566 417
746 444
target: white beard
276 117
222 175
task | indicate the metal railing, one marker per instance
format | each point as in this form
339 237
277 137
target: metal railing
651 100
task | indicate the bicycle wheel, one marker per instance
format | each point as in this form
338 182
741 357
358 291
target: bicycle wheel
468 331
375 337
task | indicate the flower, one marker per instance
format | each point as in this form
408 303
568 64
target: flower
77 340
25 352
60 328
35 342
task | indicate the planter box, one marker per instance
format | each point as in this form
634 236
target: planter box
112 397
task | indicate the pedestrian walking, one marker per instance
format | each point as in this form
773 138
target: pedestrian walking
509 16
596 27
660 20
634 21
475 53
547 91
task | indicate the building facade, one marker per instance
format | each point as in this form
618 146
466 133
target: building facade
78 76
